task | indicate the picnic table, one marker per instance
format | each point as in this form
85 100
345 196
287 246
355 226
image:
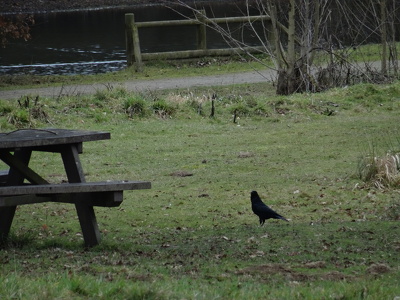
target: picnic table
23 185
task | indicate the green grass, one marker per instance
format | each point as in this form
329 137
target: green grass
195 237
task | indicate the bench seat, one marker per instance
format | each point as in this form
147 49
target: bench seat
107 193
3 175
81 187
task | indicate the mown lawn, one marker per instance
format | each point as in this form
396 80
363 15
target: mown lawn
193 235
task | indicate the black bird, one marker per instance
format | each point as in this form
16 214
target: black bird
263 211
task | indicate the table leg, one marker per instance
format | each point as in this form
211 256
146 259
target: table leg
86 214
19 167
72 164
14 178
6 218
87 219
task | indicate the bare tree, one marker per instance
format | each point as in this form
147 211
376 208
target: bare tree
298 31
374 21
387 21
304 21
384 39
290 39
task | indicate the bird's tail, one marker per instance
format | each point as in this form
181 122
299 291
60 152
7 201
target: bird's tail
282 218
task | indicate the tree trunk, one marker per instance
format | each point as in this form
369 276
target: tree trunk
287 78
293 74
278 53
291 54
316 29
383 27
393 57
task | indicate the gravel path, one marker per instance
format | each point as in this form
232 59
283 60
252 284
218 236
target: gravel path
145 85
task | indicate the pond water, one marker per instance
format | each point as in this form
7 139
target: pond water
93 41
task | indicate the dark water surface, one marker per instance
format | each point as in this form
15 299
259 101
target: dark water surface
93 41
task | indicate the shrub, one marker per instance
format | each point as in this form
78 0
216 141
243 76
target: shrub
260 110
107 95
5 108
163 109
381 171
135 106
239 110
251 102
19 118
102 95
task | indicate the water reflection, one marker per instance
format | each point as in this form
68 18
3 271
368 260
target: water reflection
83 68
88 42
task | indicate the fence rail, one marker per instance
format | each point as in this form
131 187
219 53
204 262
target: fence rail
133 51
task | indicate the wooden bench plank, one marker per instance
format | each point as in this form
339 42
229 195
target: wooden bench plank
3 175
84 195
103 199
67 188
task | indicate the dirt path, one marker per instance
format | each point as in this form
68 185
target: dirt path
144 85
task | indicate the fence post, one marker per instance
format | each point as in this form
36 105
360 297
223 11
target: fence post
201 30
133 52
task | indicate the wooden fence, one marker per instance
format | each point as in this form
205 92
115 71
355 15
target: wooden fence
136 57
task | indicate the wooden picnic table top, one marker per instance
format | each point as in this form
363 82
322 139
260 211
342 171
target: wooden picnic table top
47 137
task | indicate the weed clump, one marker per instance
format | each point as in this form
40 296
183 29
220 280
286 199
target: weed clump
163 109
5 108
19 118
27 113
105 97
381 171
135 106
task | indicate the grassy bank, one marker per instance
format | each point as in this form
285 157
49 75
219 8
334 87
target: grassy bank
193 235
152 70
184 68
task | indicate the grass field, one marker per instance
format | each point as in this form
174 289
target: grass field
193 235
